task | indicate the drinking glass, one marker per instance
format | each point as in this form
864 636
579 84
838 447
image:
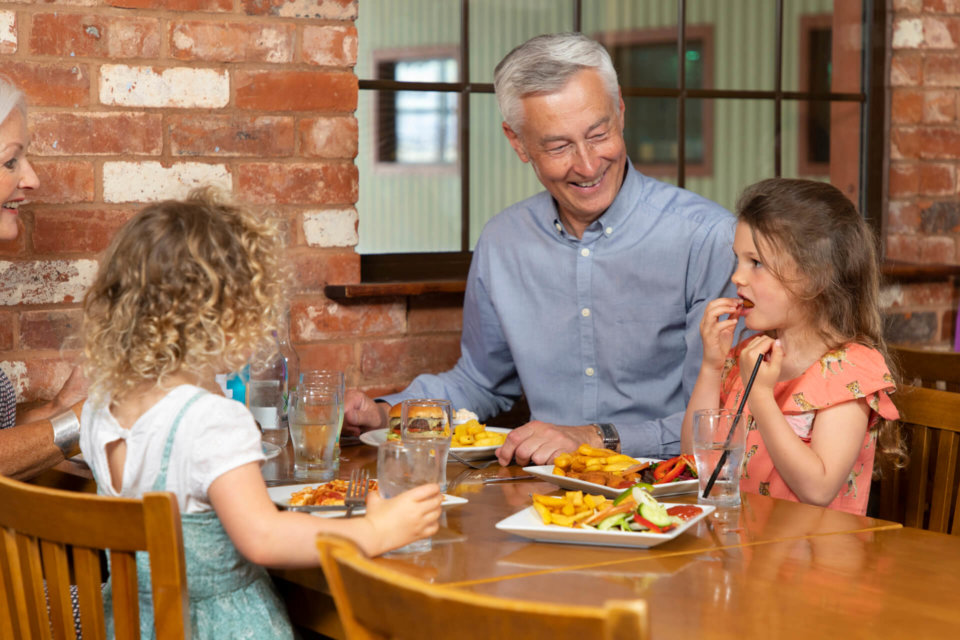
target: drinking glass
427 419
405 465
265 402
316 416
710 433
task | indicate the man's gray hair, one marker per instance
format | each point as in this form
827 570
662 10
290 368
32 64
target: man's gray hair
544 64
10 98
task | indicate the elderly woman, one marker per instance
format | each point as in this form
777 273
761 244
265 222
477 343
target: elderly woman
39 442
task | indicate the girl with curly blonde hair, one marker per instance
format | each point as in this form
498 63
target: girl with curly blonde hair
186 290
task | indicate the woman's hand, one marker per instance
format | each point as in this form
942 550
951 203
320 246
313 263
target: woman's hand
410 516
769 371
717 334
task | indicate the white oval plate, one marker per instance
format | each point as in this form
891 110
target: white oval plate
281 497
377 437
545 472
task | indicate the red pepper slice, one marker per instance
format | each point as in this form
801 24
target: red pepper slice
672 475
649 525
665 467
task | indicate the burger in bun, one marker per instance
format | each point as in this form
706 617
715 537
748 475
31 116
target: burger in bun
427 419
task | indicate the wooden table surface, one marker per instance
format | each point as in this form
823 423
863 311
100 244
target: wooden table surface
773 565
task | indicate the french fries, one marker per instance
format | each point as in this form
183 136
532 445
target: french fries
474 434
568 510
587 458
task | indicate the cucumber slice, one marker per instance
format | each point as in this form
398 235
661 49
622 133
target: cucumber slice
656 514
612 521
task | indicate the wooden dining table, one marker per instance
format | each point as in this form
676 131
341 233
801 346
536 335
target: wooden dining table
768 568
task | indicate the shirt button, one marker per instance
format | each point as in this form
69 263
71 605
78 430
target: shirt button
608 230
558 226
585 313
589 371
584 252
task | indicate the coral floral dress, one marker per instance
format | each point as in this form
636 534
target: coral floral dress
852 372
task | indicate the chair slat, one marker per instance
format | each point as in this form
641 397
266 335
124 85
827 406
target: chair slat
164 537
15 602
944 482
57 571
126 601
86 567
920 448
32 567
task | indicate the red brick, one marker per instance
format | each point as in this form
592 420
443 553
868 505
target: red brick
906 70
174 5
938 250
311 322
904 180
940 143
948 325
232 41
51 85
405 358
100 133
939 32
939 106
328 355
906 106
335 137
9 42
18 245
941 70
902 247
68 35
76 230
905 143
7 328
907 6
435 313
317 9
940 6
903 217
313 269
63 181
130 37
50 329
330 45
296 90
937 179
298 183
216 135
927 294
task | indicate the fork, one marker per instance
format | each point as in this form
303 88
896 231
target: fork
471 463
356 495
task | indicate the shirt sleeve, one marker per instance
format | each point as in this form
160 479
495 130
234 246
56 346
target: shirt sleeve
484 379
225 437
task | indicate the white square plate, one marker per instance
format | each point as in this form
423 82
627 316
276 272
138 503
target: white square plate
545 472
377 437
281 497
527 524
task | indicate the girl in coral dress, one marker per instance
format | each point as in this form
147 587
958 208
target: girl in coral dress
808 282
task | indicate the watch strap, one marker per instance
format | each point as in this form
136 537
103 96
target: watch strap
609 434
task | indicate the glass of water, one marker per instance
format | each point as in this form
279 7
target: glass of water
711 428
316 416
402 466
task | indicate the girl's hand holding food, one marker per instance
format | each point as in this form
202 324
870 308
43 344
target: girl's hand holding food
717 334
410 516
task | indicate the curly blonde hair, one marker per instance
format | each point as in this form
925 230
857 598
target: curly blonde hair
185 285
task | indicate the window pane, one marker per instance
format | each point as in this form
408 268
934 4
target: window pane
603 16
496 27
743 55
393 28
403 207
497 176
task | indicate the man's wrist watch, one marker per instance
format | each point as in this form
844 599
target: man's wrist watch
608 433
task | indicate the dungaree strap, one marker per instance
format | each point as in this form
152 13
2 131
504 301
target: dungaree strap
161 482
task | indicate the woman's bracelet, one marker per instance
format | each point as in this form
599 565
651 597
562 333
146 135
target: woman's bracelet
66 432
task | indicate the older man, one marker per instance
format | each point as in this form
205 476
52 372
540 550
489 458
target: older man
587 297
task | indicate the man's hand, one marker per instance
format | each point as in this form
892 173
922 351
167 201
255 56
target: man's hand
540 442
361 413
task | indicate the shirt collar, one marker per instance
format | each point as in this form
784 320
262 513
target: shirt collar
616 214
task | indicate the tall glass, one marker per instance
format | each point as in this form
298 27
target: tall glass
406 465
316 416
427 420
327 378
265 401
711 428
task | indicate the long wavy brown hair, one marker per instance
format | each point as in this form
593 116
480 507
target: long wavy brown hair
835 253
186 285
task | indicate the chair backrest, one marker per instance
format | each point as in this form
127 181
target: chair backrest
925 493
925 368
47 535
375 602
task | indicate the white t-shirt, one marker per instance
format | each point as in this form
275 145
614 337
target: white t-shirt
215 436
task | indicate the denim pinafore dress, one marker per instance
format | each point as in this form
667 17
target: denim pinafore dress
230 597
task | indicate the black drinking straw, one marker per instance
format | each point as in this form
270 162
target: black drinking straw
736 420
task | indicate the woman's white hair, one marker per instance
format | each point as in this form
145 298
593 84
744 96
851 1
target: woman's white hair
11 98
544 64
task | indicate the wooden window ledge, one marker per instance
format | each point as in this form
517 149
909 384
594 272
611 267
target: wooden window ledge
412 288
899 271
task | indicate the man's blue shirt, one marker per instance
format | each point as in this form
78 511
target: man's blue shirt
600 329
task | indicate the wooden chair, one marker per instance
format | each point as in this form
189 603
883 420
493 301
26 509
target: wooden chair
46 532
925 494
925 368
375 602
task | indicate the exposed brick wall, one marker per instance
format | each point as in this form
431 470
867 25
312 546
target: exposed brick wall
137 100
923 216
